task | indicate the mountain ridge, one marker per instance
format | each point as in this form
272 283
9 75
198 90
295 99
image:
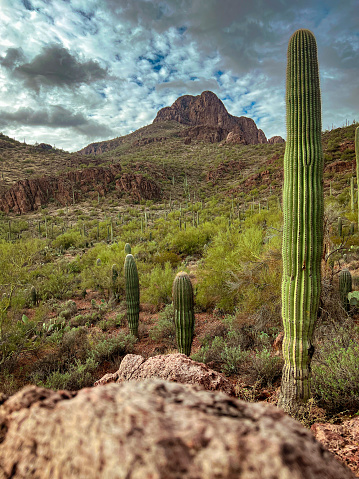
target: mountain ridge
203 117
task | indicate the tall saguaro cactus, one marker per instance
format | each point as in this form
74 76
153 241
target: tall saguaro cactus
132 294
303 218
183 312
357 162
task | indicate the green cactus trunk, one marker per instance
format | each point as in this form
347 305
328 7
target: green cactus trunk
357 162
132 294
183 312
127 248
303 218
345 287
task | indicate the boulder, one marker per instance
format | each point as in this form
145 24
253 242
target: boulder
154 429
172 367
342 440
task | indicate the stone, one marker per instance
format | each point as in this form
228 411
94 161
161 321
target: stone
154 429
276 139
342 440
172 367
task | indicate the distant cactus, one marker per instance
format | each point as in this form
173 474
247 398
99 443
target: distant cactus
132 294
33 295
183 312
340 227
114 275
127 248
345 287
98 261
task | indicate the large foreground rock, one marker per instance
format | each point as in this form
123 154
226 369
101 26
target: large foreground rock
172 367
154 429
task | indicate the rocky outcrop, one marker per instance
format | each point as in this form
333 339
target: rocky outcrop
172 367
208 110
224 169
44 146
100 147
276 139
138 187
29 194
209 134
342 440
339 166
157 429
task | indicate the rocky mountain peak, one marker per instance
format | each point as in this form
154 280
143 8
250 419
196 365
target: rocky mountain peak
207 110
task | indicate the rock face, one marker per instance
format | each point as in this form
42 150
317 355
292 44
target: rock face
208 110
172 367
276 139
342 440
154 429
27 195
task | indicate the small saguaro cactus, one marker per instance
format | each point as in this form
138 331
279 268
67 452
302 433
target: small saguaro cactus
127 248
345 287
33 295
132 287
114 276
183 303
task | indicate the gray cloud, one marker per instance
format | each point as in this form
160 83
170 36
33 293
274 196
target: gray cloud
56 67
55 116
13 57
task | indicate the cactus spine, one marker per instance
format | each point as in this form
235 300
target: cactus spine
345 287
357 162
303 218
132 294
182 292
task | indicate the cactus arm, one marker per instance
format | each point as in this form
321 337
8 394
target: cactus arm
303 217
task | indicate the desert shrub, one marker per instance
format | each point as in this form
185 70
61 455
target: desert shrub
335 371
233 358
156 286
265 368
68 239
164 329
56 280
191 240
79 375
167 256
110 348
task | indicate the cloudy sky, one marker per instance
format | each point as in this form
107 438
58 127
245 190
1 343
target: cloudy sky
77 71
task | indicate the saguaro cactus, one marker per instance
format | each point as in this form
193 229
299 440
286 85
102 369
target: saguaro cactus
357 162
132 294
345 287
303 218
183 312
127 248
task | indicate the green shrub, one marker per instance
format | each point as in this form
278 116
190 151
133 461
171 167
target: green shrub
336 373
265 368
164 329
157 285
233 358
110 348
